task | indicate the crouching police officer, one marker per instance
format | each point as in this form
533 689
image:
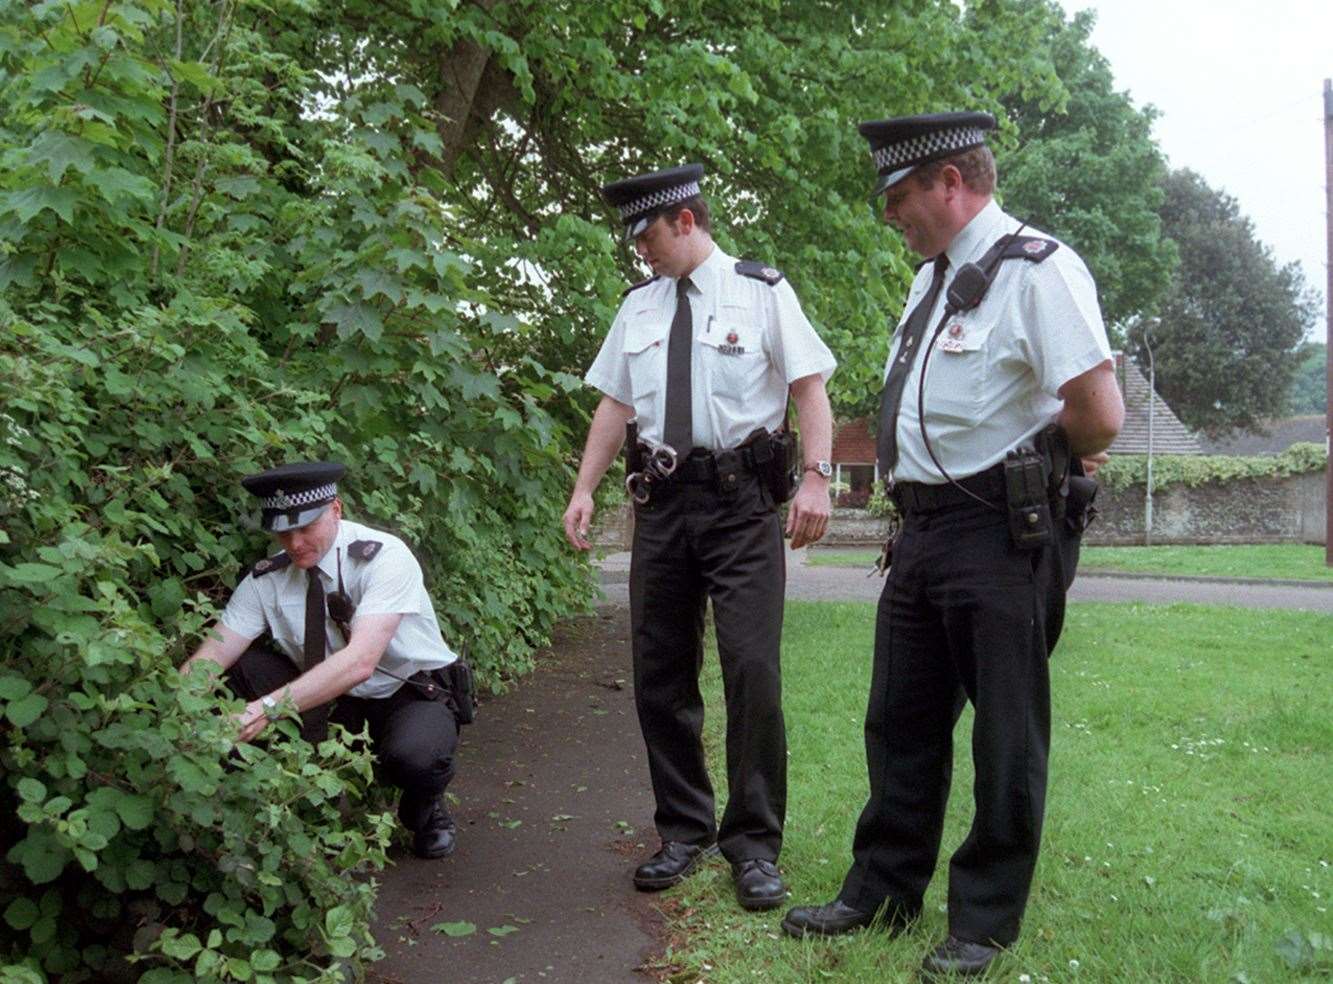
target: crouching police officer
705 354
355 641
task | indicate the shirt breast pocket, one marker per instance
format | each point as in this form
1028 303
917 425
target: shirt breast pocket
645 351
959 370
733 360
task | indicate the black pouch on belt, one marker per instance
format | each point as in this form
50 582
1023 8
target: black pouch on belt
774 457
459 675
730 466
1025 499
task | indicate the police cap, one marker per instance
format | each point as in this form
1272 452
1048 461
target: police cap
642 199
295 495
901 145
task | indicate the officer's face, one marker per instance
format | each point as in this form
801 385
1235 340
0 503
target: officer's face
664 247
919 214
308 544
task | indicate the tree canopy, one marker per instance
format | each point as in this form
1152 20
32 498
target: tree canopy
1228 339
1087 170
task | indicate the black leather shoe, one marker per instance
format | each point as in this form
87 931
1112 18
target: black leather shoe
961 958
759 886
437 837
671 865
829 919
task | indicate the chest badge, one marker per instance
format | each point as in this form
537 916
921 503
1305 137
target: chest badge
955 330
732 338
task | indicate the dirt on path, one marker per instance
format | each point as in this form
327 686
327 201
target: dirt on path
554 809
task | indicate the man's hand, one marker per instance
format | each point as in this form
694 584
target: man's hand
578 518
808 517
1091 462
251 721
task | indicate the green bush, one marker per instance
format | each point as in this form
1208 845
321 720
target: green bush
1126 470
201 278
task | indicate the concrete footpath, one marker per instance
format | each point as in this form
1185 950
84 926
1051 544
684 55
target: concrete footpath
554 806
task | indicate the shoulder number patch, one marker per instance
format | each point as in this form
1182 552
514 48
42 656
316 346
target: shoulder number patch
364 549
758 271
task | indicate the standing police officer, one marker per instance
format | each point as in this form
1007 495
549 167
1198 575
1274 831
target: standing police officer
705 354
974 599
352 624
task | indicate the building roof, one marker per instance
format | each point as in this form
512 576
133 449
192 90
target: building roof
1274 437
1169 435
852 443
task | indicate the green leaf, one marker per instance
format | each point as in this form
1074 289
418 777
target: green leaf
181 947
28 573
265 960
31 790
21 913
135 811
12 687
354 319
43 859
504 930
25 710
454 928
59 152
339 921
28 202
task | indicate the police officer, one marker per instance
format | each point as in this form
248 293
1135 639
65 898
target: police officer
704 354
354 641
971 607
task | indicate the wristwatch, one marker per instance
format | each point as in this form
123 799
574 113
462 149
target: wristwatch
821 468
270 707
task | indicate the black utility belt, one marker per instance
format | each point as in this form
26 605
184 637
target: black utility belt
704 467
988 485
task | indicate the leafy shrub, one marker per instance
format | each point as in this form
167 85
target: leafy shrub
1126 470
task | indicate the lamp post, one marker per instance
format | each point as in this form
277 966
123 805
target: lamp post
1152 400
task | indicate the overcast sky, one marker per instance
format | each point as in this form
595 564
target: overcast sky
1239 85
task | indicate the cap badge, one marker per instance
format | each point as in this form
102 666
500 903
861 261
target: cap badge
732 338
281 500
1034 247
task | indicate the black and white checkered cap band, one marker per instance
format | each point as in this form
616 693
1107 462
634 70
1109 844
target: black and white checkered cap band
664 196
926 146
296 500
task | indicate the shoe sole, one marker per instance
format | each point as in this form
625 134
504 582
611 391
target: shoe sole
762 905
657 884
801 931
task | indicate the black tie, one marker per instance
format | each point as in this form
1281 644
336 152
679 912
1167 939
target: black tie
913 329
316 719
678 429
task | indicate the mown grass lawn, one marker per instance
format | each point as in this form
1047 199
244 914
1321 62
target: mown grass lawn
1294 561
1188 831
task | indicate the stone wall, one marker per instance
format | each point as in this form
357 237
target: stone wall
1272 510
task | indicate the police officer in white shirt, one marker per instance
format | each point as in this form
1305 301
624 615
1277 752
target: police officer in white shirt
704 355
354 640
992 500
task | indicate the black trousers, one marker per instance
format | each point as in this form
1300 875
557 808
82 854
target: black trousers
964 616
412 736
692 544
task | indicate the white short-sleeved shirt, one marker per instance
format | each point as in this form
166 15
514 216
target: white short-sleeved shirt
751 342
994 372
389 583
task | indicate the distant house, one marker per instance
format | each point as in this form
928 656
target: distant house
854 446
1169 435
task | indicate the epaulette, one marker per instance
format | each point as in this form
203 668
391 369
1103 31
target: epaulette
270 564
364 549
634 287
1033 248
759 271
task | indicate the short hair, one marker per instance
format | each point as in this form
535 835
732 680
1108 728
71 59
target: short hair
698 208
976 166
